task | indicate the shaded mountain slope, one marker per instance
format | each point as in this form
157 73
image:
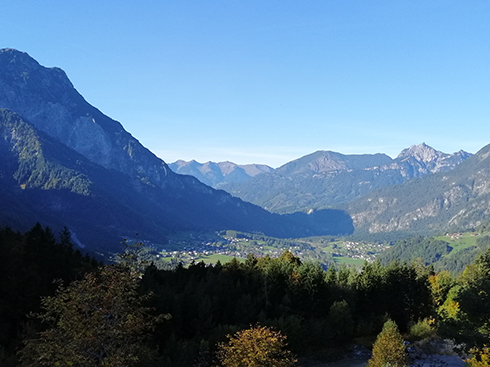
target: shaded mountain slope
324 179
43 179
64 162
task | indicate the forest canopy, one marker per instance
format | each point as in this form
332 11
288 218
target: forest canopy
181 316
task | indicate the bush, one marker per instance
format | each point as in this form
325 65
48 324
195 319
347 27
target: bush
422 330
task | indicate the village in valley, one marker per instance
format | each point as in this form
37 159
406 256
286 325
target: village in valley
226 245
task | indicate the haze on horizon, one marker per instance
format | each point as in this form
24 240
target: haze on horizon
254 82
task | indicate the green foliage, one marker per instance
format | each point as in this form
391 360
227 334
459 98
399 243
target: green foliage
34 168
389 348
480 358
428 249
258 346
97 321
473 298
423 329
319 311
30 263
341 321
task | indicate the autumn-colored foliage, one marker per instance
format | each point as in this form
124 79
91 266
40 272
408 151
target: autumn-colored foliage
481 358
389 348
258 346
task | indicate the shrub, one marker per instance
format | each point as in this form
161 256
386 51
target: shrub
423 329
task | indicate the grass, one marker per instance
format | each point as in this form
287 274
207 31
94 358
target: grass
465 241
213 259
349 261
165 259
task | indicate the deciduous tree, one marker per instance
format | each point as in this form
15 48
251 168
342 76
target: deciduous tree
258 346
97 321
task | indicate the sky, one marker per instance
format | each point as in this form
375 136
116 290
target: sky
270 81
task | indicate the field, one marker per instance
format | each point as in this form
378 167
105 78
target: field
459 241
213 259
226 245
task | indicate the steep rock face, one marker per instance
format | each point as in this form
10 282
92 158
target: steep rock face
324 179
46 98
424 160
66 162
453 199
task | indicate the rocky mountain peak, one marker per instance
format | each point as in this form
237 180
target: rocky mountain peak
21 70
227 167
14 56
46 98
421 152
327 161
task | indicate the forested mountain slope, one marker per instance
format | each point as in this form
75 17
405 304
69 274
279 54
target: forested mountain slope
456 199
78 165
324 179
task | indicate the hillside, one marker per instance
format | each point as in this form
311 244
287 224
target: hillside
218 174
82 169
456 199
324 179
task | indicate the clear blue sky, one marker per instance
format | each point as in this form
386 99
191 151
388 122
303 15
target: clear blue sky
270 81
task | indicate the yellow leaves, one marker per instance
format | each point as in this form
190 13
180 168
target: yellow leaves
257 346
389 348
481 357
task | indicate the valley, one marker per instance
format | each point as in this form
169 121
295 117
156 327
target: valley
328 251
244 184
327 247
451 251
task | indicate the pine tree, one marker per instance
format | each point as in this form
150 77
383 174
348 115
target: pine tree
389 348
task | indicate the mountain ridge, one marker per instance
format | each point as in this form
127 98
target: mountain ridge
455 199
325 179
128 183
216 174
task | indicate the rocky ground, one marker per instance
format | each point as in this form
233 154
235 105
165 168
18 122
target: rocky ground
428 353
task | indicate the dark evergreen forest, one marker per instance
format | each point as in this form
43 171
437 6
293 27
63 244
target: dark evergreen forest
59 307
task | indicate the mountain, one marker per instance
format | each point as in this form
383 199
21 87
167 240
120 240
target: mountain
325 179
43 180
456 199
221 173
65 162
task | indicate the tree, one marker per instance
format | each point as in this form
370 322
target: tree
97 321
473 298
340 320
389 348
258 346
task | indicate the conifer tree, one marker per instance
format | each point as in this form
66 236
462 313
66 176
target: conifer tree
389 348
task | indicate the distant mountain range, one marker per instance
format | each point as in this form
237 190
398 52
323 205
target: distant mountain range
325 179
221 173
63 162
451 200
